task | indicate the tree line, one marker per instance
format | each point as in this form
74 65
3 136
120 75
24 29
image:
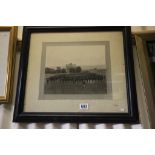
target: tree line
77 69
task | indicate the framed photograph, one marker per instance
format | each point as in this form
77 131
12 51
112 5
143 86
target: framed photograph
76 74
145 43
8 37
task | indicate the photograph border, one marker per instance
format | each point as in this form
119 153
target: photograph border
130 117
43 96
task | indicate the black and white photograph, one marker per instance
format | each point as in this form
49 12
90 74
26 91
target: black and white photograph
75 74
75 68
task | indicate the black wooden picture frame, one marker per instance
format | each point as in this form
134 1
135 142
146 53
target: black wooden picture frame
77 117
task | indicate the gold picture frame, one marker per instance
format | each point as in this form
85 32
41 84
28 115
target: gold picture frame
148 105
8 44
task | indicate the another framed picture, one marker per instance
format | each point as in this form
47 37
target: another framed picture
145 43
8 37
76 74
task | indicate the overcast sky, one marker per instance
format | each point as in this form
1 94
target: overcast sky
88 55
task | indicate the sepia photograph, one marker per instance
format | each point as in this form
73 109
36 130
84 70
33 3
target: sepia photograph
75 68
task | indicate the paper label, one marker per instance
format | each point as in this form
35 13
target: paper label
84 106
